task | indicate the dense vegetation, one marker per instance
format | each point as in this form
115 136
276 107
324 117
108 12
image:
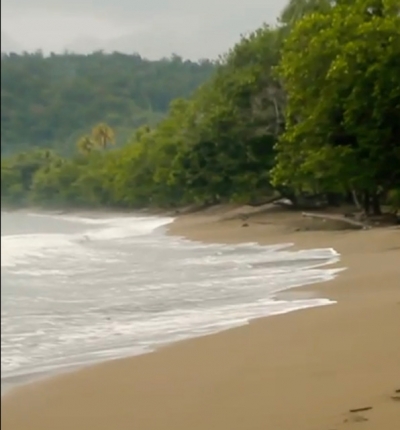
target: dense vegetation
50 101
308 107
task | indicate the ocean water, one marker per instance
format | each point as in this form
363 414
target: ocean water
80 289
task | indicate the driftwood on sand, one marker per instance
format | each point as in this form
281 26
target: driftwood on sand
366 408
338 218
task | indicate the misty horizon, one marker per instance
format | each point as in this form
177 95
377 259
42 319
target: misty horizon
154 30
106 48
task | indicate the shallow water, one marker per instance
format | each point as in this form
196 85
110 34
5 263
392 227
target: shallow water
79 289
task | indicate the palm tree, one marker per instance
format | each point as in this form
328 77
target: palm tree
85 145
102 135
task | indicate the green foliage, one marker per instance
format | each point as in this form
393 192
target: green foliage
50 101
394 199
311 106
341 71
232 125
18 173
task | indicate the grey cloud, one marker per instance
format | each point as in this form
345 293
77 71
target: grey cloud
134 9
9 44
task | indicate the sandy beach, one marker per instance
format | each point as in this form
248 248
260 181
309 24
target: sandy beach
306 370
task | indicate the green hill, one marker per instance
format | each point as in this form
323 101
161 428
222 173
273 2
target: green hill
51 101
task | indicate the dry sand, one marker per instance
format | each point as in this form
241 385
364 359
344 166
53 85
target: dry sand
300 371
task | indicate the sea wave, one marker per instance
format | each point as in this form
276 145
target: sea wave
18 248
119 286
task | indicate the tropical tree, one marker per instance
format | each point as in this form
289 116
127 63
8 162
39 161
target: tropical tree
233 123
297 9
102 135
341 72
85 145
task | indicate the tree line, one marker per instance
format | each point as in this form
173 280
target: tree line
308 107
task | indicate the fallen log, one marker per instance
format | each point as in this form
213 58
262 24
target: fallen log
338 218
265 201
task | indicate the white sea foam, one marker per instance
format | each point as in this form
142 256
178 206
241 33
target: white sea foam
117 286
16 249
123 228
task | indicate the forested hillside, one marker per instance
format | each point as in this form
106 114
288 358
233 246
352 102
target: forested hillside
310 107
50 101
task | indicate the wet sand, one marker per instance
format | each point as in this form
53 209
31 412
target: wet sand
301 371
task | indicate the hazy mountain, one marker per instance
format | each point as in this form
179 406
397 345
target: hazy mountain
128 44
86 45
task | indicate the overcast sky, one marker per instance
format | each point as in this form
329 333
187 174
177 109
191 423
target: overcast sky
153 28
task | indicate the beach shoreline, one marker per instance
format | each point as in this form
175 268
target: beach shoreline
155 376
19 380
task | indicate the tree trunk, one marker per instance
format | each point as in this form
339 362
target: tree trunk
355 199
